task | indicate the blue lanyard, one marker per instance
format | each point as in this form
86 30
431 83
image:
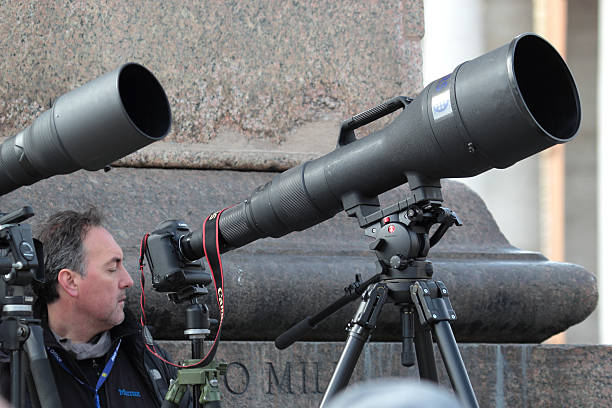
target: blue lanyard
103 376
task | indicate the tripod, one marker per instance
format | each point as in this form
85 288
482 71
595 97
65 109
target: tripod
401 243
185 281
203 378
22 337
20 333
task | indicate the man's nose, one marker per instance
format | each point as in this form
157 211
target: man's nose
126 279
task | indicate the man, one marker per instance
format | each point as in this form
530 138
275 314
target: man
95 347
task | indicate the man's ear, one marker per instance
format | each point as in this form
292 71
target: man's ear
67 279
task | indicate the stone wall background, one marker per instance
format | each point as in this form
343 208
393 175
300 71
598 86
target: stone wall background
245 80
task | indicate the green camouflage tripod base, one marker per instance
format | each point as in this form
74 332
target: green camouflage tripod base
206 378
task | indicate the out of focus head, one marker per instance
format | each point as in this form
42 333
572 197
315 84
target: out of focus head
394 393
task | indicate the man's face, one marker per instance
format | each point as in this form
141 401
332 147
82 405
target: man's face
102 291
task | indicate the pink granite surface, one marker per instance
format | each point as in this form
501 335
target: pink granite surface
251 76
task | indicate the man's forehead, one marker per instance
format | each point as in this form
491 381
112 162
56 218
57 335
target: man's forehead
100 242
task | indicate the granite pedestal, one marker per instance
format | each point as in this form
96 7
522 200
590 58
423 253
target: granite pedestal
501 294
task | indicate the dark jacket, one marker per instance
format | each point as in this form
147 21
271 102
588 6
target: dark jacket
136 379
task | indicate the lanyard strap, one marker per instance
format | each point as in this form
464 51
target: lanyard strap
107 369
210 241
212 252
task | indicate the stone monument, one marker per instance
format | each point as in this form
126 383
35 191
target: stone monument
257 88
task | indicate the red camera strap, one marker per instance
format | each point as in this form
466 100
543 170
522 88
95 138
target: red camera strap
210 240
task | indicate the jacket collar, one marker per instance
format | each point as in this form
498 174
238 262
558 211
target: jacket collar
128 327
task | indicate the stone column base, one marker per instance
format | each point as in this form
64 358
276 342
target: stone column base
503 375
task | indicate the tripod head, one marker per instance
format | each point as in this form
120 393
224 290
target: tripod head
19 252
19 266
401 231
401 244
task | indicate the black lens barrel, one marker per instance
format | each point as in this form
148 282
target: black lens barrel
490 112
89 127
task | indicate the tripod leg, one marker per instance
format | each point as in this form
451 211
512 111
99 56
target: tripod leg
434 308
41 370
423 345
360 327
197 347
16 378
454 364
344 369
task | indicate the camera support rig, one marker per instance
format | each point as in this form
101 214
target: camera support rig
186 281
20 333
404 277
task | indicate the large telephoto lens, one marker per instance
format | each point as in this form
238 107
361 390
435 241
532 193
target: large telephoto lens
88 128
490 112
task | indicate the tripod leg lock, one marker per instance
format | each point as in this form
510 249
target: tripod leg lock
369 310
432 302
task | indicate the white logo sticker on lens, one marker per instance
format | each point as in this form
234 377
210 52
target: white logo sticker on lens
441 105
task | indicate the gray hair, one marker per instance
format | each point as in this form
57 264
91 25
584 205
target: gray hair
62 236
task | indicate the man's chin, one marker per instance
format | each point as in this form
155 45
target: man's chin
120 318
